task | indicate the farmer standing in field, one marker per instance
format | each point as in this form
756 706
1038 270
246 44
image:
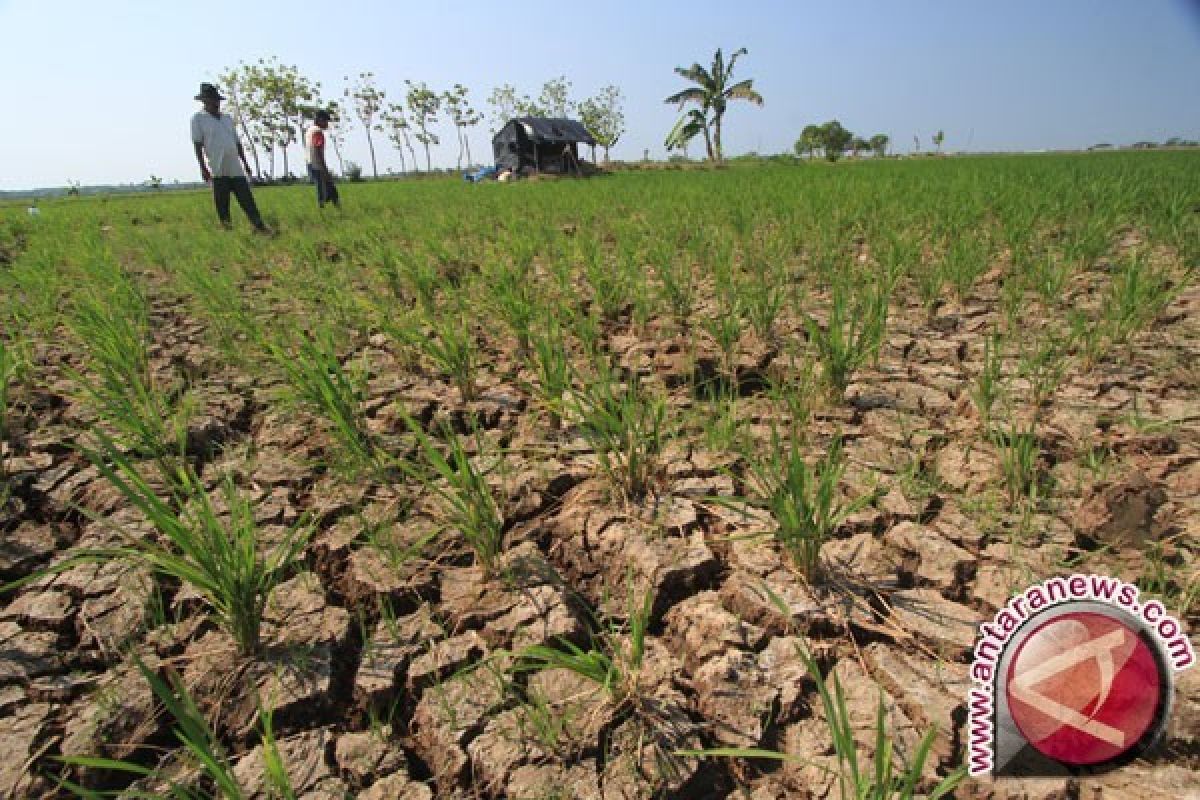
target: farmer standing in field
214 136
318 170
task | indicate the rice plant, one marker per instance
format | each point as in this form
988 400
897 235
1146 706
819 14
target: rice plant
467 501
515 303
887 777
319 381
625 424
112 327
853 335
803 501
1019 453
988 386
10 367
201 746
886 780
454 351
213 550
552 366
613 659
1137 295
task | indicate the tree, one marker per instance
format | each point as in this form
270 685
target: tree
835 139
687 127
336 133
712 94
504 101
938 138
809 141
281 94
423 106
397 130
879 144
603 117
858 144
458 107
367 101
554 100
232 81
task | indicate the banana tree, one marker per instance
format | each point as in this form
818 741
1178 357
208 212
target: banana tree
712 93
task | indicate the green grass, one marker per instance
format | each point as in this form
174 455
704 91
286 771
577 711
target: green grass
804 501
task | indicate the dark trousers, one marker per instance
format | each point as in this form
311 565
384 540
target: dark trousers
326 189
240 188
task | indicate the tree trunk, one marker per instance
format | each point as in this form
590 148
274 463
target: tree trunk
467 144
412 154
605 154
459 132
283 147
428 168
717 138
337 151
371 146
708 145
250 141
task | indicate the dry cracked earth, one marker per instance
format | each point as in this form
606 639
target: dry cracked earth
386 659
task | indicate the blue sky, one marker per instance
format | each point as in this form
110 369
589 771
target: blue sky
102 92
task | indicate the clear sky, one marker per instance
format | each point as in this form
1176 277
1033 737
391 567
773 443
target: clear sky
101 92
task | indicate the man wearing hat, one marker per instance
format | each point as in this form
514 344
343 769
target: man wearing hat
318 170
215 137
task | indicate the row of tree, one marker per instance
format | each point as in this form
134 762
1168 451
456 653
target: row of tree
833 141
272 102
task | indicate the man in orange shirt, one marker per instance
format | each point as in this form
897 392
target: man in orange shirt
318 170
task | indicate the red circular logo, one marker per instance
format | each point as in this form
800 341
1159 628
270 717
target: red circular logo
1084 688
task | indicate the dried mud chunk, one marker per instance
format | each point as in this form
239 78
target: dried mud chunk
505 743
966 467
949 627
939 561
675 567
958 528
1006 788
293 681
642 762
108 621
442 658
19 737
540 615
1120 514
786 670
304 758
931 696
296 615
1137 782
397 786
25 548
116 718
737 696
578 781
370 572
389 651
757 600
41 611
25 655
701 628
859 559
363 757
448 716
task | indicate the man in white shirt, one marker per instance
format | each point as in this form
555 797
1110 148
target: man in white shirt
318 170
214 137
